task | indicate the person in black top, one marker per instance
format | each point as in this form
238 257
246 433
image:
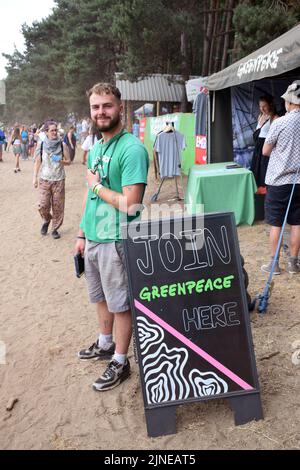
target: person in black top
70 140
259 162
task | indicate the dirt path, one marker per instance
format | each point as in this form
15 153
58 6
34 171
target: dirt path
46 318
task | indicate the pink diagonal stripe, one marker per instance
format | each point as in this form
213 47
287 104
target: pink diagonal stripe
235 378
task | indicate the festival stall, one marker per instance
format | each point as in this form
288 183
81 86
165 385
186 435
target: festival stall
235 90
233 109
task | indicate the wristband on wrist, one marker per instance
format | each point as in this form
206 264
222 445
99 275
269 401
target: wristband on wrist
96 188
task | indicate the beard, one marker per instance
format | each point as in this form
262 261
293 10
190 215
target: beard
112 123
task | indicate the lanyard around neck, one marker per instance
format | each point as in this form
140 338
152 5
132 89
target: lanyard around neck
99 159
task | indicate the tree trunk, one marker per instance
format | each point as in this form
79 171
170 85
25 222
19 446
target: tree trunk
213 40
207 40
227 35
219 42
184 72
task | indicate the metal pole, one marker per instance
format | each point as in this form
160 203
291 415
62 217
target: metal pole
208 132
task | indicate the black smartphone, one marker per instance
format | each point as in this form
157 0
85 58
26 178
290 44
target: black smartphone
79 264
233 165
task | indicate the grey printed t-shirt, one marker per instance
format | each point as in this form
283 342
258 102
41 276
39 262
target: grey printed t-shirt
199 108
169 146
284 162
50 170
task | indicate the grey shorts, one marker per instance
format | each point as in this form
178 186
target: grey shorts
104 265
17 149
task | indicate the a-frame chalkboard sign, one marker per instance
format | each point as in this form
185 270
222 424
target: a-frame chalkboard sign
190 314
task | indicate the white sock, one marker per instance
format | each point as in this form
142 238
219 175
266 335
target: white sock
120 358
104 340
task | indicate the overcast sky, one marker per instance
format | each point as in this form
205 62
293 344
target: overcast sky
13 14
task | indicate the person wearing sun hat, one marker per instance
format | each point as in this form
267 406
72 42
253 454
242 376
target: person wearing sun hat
282 145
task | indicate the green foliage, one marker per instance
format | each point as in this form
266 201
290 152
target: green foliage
86 41
259 22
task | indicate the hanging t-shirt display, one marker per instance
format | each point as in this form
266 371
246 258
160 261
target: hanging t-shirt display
200 110
169 146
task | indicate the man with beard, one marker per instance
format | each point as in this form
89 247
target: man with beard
116 178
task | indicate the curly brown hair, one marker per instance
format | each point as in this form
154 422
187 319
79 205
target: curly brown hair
104 89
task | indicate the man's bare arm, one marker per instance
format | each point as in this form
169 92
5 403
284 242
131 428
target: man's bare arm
127 201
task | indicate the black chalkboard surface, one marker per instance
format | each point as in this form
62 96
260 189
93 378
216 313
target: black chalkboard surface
190 315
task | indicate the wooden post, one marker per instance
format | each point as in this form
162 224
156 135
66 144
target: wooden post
157 108
129 116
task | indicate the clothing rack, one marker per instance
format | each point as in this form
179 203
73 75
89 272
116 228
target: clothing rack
155 195
169 128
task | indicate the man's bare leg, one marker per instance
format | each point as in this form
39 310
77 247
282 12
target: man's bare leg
123 325
106 319
274 239
295 241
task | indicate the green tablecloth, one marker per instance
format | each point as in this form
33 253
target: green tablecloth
222 190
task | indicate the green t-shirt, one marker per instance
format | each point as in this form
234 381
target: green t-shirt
122 161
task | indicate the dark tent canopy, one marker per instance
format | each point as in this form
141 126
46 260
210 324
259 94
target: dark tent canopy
236 89
275 58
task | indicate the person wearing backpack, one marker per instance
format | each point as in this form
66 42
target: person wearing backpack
51 156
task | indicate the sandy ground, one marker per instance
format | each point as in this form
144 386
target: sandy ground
46 318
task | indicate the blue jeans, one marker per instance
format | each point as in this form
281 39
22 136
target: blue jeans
24 150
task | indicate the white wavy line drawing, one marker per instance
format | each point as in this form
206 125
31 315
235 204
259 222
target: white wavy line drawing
149 334
164 369
164 377
206 384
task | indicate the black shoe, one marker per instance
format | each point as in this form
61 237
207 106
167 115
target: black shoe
55 234
96 351
114 374
44 229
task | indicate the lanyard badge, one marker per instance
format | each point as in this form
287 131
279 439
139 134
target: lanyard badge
105 158
99 166
97 162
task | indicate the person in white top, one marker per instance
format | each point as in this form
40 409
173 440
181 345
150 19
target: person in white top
89 142
84 129
41 134
15 141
